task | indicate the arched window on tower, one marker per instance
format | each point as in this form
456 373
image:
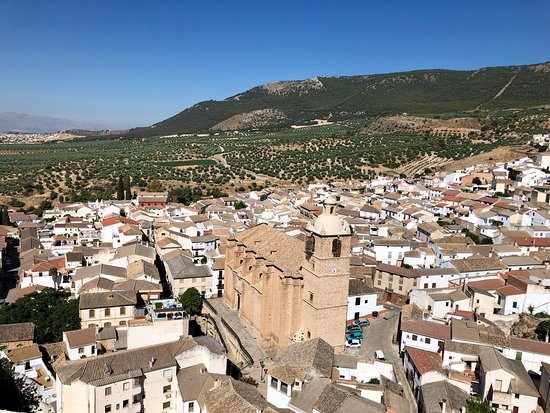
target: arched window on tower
310 245
336 247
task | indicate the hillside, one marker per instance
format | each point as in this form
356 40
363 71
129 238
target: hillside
416 92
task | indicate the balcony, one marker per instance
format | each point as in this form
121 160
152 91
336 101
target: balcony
501 398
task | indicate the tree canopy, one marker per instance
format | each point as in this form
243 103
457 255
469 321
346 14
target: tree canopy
475 405
19 394
192 301
51 311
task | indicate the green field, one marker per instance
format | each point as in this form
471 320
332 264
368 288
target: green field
89 169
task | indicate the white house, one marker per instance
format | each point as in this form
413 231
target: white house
362 300
425 335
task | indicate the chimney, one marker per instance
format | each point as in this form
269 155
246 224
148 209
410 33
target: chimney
152 362
443 404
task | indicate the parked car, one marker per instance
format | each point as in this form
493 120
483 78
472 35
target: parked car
354 334
361 322
354 343
353 327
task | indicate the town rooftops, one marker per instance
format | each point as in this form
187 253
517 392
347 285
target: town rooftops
181 266
521 383
433 393
17 355
531 346
284 251
107 299
235 396
80 338
478 264
122 365
509 290
16 332
312 358
470 331
427 328
401 271
424 361
487 285
358 287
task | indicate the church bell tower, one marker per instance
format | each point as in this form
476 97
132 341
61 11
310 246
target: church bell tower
326 277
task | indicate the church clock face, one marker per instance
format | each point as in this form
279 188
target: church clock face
333 271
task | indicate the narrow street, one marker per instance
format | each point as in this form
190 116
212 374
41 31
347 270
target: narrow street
378 336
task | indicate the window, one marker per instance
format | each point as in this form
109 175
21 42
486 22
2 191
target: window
415 337
107 312
514 304
191 407
165 405
433 285
428 340
425 285
274 382
310 244
167 389
336 248
310 296
357 300
167 374
309 334
284 387
400 280
126 386
379 282
107 391
498 385
107 324
136 399
400 288
107 408
80 350
137 382
516 395
366 301
125 403
519 355
122 310
91 313
122 323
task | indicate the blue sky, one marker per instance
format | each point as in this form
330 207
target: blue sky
133 63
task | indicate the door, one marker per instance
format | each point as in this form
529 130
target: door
356 316
238 301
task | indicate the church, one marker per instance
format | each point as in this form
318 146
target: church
288 290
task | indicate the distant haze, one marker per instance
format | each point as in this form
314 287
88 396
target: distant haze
23 122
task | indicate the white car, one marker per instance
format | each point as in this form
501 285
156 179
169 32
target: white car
354 343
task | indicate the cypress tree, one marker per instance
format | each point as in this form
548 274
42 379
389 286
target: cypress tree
127 189
5 216
120 189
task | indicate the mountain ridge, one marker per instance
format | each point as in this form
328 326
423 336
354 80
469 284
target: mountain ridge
342 97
